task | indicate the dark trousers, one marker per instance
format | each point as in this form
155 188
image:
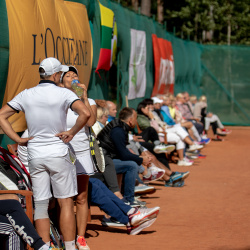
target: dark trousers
14 224
109 177
150 134
100 195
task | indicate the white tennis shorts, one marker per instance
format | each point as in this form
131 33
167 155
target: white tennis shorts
58 172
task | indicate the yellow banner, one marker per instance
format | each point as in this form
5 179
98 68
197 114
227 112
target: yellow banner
40 29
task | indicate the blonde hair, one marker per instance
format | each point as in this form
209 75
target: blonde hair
101 111
178 96
193 98
203 98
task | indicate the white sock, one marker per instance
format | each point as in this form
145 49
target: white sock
131 211
44 247
148 174
69 245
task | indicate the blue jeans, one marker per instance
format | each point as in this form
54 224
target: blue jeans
100 195
129 169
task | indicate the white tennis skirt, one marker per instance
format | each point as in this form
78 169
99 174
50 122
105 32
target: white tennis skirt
84 163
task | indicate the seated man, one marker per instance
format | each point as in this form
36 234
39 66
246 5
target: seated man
112 110
186 112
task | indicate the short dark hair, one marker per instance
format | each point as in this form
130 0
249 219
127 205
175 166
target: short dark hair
148 101
125 113
42 71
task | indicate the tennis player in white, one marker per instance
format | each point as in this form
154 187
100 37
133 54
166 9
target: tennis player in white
45 107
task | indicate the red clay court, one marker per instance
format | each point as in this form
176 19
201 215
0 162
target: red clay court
212 210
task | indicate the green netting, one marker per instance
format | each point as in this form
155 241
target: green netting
113 85
4 59
219 72
226 82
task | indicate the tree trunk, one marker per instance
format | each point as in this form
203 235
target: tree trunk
229 32
160 14
146 7
135 5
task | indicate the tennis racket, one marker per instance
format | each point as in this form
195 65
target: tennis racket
96 151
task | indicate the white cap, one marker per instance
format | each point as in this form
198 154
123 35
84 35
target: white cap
156 100
51 65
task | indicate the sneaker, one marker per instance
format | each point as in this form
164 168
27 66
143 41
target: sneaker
81 243
135 203
177 176
153 169
205 141
154 177
217 138
194 147
184 163
204 136
187 160
137 229
192 157
111 222
227 131
170 183
144 189
201 156
163 148
143 214
222 133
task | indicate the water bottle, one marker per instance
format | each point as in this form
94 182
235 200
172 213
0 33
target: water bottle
78 90
20 185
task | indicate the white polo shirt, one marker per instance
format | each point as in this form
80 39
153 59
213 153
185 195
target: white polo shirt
45 107
80 142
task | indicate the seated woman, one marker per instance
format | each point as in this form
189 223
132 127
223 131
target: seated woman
208 118
175 134
15 226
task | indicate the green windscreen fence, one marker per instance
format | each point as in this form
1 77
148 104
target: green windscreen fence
219 72
226 82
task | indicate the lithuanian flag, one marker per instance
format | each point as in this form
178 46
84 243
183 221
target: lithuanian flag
108 39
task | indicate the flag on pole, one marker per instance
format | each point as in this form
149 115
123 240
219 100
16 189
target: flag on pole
137 64
164 66
108 39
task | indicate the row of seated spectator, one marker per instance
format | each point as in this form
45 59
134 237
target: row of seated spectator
139 157
50 162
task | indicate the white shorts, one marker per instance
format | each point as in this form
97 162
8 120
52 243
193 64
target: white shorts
58 172
84 163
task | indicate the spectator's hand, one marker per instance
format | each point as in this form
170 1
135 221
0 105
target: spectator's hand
24 141
65 136
196 119
146 160
138 138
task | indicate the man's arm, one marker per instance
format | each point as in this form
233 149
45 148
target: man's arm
83 115
5 113
118 137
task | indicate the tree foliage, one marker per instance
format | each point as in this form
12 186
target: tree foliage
213 21
205 21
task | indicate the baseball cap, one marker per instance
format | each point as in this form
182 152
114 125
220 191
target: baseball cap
71 68
51 65
156 100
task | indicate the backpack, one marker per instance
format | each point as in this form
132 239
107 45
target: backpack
13 174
